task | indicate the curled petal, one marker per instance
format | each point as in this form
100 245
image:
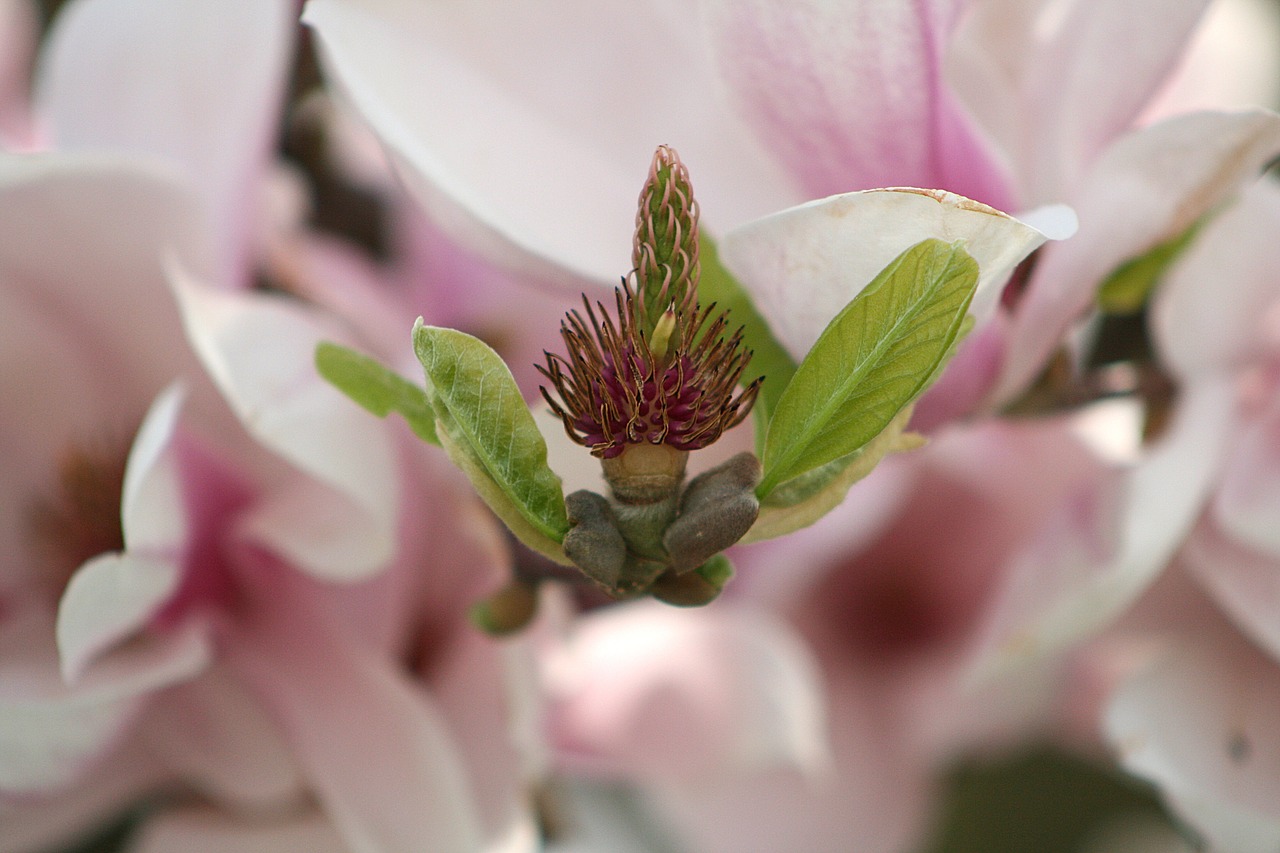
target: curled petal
805 264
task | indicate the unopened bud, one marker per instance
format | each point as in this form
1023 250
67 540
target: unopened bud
697 588
507 611
717 509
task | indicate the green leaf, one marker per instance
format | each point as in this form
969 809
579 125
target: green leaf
1127 289
801 501
874 359
376 388
488 432
768 357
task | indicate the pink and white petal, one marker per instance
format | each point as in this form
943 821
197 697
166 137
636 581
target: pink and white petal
51 732
1219 306
1244 583
645 691
213 735
372 745
1247 505
1108 542
488 692
527 132
207 830
1233 61
1203 723
260 352
1093 65
1147 188
804 264
851 97
156 78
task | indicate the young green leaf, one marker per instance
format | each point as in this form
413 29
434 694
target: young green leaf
801 501
489 433
871 361
768 357
1129 286
376 388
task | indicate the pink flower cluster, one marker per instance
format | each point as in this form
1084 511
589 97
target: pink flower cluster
234 606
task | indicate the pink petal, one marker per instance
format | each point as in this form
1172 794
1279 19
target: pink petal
487 690
1078 76
372 745
805 264
1203 723
260 352
1149 187
1217 307
874 799
851 97
1108 542
1244 583
1248 502
156 77
645 690
527 131
213 734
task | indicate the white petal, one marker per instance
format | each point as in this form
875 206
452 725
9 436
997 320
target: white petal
1219 307
260 352
158 77
805 264
111 597
152 511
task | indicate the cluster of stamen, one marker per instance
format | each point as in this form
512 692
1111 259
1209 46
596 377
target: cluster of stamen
615 390
664 372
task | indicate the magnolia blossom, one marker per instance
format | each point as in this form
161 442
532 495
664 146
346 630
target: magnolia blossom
1197 719
518 135
251 583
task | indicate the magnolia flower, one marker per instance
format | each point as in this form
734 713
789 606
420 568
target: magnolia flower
1195 720
251 585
